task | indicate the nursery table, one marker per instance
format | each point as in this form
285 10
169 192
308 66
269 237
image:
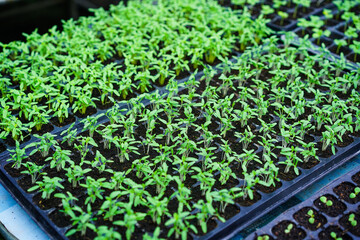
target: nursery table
16 223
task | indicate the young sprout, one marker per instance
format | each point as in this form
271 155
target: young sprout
110 207
264 237
100 162
309 150
356 48
75 174
223 196
70 135
318 33
352 220
311 215
283 16
246 137
339 43
59 158
209 73
33 170
94 188
43 146
82 221
124 146
18 156
247 157
334 236
330 136
179 223
303 23
39 117
131 219
267 10
355 193
328 14
83 101
84 147
60 107
205 178
90 123
12 125
289 228
104 232
206 211
157 207
291 158
326 201
47 186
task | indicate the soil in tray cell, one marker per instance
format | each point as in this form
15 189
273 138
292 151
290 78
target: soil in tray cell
89 111
330 205
59 218
70 119
248 201
351 222
44 129
331 231
288 230
310 218
11 142
348 192
344 50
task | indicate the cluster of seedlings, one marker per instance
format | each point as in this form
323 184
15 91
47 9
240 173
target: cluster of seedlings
162 120
112 56
176 164
333 23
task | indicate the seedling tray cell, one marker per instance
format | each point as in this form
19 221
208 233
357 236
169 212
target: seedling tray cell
334 218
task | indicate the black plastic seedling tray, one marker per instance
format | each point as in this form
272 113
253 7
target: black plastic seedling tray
246 216
330 220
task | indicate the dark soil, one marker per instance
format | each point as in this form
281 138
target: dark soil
59 218
295 233
11 142
340 233
290 175
346 140
2 148
247 201
270 189
334 210
312 162
344 190
70 119
345 223
89 111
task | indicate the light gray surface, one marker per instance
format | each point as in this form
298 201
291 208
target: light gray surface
16 220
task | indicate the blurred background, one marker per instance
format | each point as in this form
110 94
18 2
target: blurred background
24 16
